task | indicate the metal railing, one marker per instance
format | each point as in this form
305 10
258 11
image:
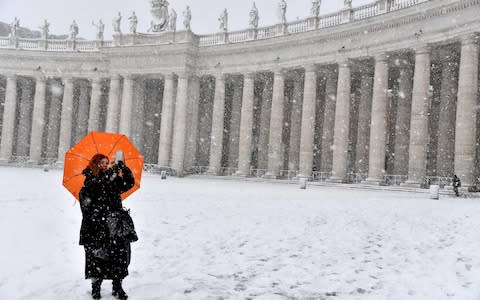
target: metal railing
395 179
441 181
321 176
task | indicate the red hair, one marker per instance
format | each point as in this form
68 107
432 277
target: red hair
94 162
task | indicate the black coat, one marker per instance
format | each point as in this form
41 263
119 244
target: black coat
105 257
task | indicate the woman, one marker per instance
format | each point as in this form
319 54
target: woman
106 257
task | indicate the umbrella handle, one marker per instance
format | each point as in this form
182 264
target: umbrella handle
119 156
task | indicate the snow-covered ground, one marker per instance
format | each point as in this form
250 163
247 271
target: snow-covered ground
217 239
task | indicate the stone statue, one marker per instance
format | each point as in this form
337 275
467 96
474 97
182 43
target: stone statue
187 18
316 7
347 3
159 10
172 20
283 11
45 29
100 29
116 23
133 23
73 30
14 27
224 20
254 16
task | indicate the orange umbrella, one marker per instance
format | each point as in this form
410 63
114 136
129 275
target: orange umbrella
78 157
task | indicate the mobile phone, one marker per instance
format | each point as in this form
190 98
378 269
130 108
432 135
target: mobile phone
119 156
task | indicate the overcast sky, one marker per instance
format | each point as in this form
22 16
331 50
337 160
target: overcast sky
61 13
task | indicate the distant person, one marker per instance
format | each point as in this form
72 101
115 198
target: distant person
456 184
107 255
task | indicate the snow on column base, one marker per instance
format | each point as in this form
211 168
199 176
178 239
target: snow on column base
270 176
412 184
374 181
334 179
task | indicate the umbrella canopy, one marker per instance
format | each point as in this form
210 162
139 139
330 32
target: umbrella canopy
78 157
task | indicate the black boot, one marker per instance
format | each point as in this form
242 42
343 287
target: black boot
118 291
96 284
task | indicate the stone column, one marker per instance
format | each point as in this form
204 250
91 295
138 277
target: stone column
166 126
265 113
329 122
94 114
308 122
364 118
25 122
113 107
296 121
465 129
216 143
8 125
404 108
446 123
193 112
275 152
125 125
83 109
234 133
378 125
38 120
341 131
54 120
65 138
179 126
138 114
246 126
417 160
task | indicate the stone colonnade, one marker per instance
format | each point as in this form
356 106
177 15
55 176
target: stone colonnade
369 117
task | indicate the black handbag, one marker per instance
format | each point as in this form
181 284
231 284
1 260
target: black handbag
121 227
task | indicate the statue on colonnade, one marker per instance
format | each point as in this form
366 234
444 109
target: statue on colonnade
116 24
133 23
159 10
347 3
172 22
224 21
100 29
254 16
73 30
283 11
45 28
187 18
316 7
14 27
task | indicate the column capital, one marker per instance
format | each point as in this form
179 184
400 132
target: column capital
470 39
169 76
129 76
381 57
184 74
115 77
95 80
423 49
67 79
40 77
249 75
220 76
279 71
310 68
345 63
11 76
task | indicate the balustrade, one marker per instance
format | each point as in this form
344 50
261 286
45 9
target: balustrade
299 26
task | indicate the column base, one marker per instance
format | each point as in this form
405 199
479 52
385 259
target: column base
374 181
334 179
411 184
213 171
270 175
301 176
240 174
